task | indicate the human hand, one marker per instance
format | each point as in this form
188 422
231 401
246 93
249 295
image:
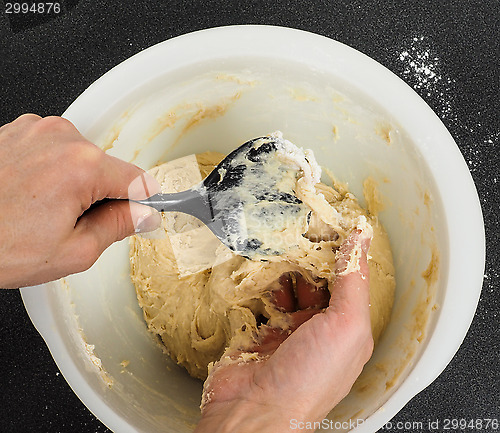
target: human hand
302 375
51 176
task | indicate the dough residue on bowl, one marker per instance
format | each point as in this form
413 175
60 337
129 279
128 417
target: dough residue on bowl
219 300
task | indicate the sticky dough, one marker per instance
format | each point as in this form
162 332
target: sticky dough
208 300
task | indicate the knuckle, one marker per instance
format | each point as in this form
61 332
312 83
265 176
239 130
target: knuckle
20 122
28 117
84 159
90 155
54 124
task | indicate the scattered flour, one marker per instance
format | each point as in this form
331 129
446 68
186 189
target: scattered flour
426 73
423 71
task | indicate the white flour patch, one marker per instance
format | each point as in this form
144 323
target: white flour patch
422 69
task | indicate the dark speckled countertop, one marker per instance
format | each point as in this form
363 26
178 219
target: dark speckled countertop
447 50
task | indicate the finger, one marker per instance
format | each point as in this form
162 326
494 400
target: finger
25 119
50 131
119 179
20 124
143 187
144 218
309 295
97 229
302 316
284 298
350 291
270 339
114 220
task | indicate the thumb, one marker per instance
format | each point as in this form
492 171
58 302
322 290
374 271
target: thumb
114 220
351 289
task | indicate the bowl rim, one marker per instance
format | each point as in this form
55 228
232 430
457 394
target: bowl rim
455 184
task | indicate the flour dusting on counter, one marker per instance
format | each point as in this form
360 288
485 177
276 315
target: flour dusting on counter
424 71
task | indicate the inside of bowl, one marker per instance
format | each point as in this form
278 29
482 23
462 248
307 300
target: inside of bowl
217 106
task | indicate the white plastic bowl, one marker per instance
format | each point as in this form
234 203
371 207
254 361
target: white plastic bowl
226 85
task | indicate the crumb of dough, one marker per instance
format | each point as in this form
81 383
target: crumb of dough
335 131
208 312
374 202
431 273
384 132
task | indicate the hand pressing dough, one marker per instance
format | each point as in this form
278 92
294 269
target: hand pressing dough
201 299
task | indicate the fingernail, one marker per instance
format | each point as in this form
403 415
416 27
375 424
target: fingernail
144 218
148 223
143 186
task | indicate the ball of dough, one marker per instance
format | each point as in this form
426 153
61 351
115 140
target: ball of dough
200 307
